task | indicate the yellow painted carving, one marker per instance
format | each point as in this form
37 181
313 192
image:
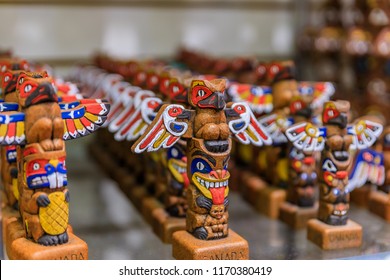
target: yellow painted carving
54 217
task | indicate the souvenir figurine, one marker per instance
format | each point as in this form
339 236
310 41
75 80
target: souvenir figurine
332 229
379 200
207 129
300 204
40 127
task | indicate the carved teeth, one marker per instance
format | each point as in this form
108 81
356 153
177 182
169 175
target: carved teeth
211 184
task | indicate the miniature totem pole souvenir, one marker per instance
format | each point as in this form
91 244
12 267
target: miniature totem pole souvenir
207 129
332 229
379 201
302 189
40 128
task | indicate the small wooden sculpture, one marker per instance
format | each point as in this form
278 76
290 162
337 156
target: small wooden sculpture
207 130
40 127
379 200
334 140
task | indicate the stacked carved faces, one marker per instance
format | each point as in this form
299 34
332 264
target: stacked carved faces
335 161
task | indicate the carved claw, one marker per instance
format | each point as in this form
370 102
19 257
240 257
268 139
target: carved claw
43 200
48 240
63 238
204 202
200 233
67 196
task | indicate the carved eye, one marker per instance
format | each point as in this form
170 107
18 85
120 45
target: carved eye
200 166
313 175
175 89
166 83
201 93
261 70
330 113
329 166
304 176
6 78
154 80
3 68
298 105
274 69
174 152
36 166
21 80
27 88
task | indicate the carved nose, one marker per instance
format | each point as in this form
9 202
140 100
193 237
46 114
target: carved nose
341 174
308 160
218 174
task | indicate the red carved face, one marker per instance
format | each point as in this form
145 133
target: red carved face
208 94
33 91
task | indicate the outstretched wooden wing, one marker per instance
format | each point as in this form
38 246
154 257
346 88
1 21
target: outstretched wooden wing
8 106
139 120
12 128
83 118
275 125
245 127
307 137
259 98
170 123
364 133
368 168
131 105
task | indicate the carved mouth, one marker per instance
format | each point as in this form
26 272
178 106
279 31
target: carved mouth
177 168
214 189
339 212
11 156
52 181
341 155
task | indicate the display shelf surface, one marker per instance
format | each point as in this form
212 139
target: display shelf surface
101 215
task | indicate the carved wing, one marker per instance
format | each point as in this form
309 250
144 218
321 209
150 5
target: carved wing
259 98
170 123
307 137
364 133
275 126
246 128
83 118
132 103
12 128
8 106
321 92
139 120
368 168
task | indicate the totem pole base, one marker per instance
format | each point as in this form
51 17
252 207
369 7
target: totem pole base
165 225
187 247
334 237
361 196
148 206
252 185
20 248
9 215
270 200
297 217
379 204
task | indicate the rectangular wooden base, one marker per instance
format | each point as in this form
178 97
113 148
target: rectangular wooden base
20 248
361 196
297 217
187 247
148 206
9 215
136 195
379 204
165 225
334 237
251 187
270 200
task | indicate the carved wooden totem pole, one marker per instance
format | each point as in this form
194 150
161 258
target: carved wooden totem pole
332 229
379 201
39 129
207 128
